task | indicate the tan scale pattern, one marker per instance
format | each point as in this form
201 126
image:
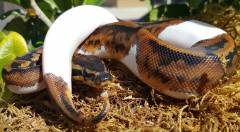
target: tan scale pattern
195 79
26 78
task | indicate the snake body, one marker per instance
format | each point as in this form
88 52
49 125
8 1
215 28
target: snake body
176 71
172 65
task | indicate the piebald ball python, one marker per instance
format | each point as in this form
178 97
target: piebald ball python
178 58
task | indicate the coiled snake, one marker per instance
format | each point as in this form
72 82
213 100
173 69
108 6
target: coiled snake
175 57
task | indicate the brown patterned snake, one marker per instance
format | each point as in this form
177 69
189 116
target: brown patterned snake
178 58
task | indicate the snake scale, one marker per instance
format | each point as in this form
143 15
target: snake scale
176 57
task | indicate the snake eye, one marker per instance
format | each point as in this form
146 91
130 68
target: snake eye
88 76
104 77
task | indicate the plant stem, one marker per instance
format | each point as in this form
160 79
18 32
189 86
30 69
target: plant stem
40 14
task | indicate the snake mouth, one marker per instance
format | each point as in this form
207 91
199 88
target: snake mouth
94 80
103 77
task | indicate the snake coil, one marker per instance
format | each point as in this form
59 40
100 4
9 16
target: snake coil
178 58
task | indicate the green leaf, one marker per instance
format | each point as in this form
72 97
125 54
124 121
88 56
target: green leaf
36 31
236 4
13 1
5 94
64 4
2 35
11 46
161 11
154 14
14 44
194 4
48 7
3 61
51 3
77 2
169 11
93 2
17 24
15 17
32 28
177 10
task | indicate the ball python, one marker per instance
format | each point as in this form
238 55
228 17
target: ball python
179 58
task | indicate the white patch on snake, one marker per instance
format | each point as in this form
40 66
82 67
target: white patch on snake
130 60
188 33
65 35
27 90
102 52
178 95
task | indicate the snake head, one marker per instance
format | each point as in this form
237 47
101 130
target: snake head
90 70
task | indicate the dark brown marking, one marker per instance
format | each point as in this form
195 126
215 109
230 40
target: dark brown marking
24 77
165 67
63 98
117 38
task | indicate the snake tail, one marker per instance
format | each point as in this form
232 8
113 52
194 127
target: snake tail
62 96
